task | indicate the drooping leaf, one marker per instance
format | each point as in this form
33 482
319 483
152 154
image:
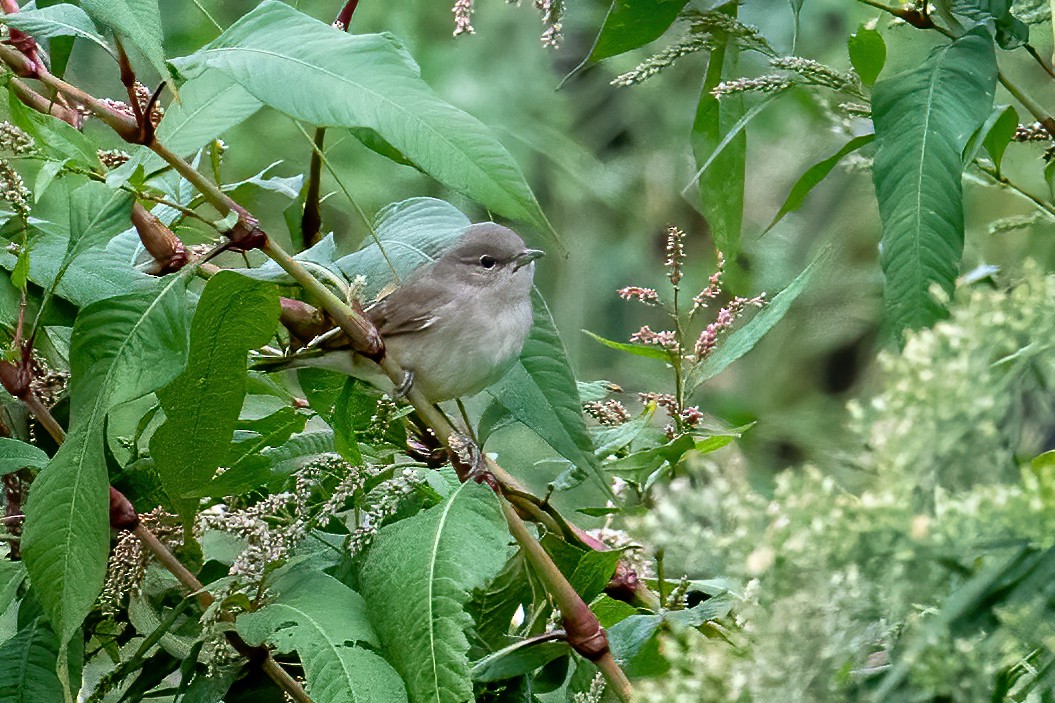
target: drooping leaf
122 348
234 314
15 455
416 580
540 392
318 74
721 185
136 23
327 624
56 21
867 53
923 119
744 339
814 175
633 23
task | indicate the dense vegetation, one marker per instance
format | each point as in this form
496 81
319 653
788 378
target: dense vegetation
797 454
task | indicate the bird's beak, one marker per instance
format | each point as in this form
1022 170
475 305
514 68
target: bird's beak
526 257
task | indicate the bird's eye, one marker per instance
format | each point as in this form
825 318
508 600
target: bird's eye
488 262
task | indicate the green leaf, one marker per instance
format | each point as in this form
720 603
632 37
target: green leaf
995 16
540 392
635 349
235 314
745 338
318 74
15 455
867 53
56 21
814 175
407 235
994 135
923 119
635 646
57 139
97 215
327 624
27 665
417 578
122 348
518 659
721 185
134 22
630 24
93 275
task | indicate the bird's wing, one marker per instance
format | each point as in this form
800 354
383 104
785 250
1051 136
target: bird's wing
410 308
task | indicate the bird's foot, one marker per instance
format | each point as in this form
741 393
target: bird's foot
404 386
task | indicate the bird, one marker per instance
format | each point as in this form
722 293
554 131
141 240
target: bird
455 325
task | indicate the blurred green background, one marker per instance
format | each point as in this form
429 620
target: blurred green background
612 167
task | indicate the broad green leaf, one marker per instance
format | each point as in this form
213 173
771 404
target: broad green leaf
744 339
721 185
136 23
15 455
122 348
56 21
27 665
234 314
867 53
587 570
327 624
636 349
54 137
97 215
417 578
923 119
320 75
814 175
633 23
539 391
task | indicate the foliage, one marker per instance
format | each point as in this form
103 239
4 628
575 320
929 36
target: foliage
183 524
846 593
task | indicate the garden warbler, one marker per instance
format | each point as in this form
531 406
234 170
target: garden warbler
456 325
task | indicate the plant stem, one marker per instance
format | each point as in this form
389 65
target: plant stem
1004 182
44 417
585 633
311 220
